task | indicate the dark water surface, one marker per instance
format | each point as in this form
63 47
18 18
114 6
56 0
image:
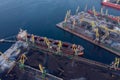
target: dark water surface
41 16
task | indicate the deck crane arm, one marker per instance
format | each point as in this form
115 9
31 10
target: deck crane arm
117 62
41 68
33 38
106 32
97 34
93 24
23 58
59 45
47 42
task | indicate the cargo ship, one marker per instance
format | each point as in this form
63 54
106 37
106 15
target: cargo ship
55 46
111 17
112 3
93 29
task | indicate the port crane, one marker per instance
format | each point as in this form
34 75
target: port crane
42 69
22 60
115 64
106 33
47 41
59 46
33 38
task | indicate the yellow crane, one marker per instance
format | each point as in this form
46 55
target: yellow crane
59 45
47 41
97 34
93 24
33 38
22 58
117 62
111 30
42 69
106 33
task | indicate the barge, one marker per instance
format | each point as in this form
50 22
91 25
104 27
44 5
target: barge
112 3
93 29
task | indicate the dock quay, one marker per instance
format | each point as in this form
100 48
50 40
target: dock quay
93 29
